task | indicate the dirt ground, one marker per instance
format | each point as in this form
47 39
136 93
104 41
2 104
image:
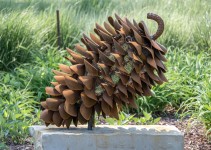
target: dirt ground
194 138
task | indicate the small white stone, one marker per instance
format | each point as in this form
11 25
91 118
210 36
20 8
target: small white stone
107 137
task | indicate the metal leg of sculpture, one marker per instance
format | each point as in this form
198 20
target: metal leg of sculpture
91 122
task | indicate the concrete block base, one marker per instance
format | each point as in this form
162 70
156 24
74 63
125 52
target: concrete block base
107 137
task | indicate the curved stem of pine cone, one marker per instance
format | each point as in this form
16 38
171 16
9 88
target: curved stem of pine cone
160 23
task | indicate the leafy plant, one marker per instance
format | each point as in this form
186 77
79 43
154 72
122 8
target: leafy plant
147 119
125 119
3 146
17 112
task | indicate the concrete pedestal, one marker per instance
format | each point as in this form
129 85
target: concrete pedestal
107 137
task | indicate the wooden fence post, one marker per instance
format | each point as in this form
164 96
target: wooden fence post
58 30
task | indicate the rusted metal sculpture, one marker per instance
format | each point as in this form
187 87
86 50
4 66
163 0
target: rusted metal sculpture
124 60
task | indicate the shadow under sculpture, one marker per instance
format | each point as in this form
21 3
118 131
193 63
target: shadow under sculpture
118 62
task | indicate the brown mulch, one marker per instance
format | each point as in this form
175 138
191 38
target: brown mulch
22 147
27 145
194 135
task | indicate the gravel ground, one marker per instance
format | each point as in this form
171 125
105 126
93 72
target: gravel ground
194 136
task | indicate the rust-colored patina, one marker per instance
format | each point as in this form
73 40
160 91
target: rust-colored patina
119 62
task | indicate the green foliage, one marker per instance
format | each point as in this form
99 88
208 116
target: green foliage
125 119
15 39
147 119
37 76
19 106
199 106
3 146
16 114
25 35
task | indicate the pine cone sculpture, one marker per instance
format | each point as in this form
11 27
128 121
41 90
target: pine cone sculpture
124 60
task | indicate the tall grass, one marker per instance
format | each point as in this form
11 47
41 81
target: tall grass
26 33
15 39
26 29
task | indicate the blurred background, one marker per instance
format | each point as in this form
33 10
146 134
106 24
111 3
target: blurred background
28 53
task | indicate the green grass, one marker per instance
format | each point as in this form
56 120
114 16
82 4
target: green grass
17 112
28 52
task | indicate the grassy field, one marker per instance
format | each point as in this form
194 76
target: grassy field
28 52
